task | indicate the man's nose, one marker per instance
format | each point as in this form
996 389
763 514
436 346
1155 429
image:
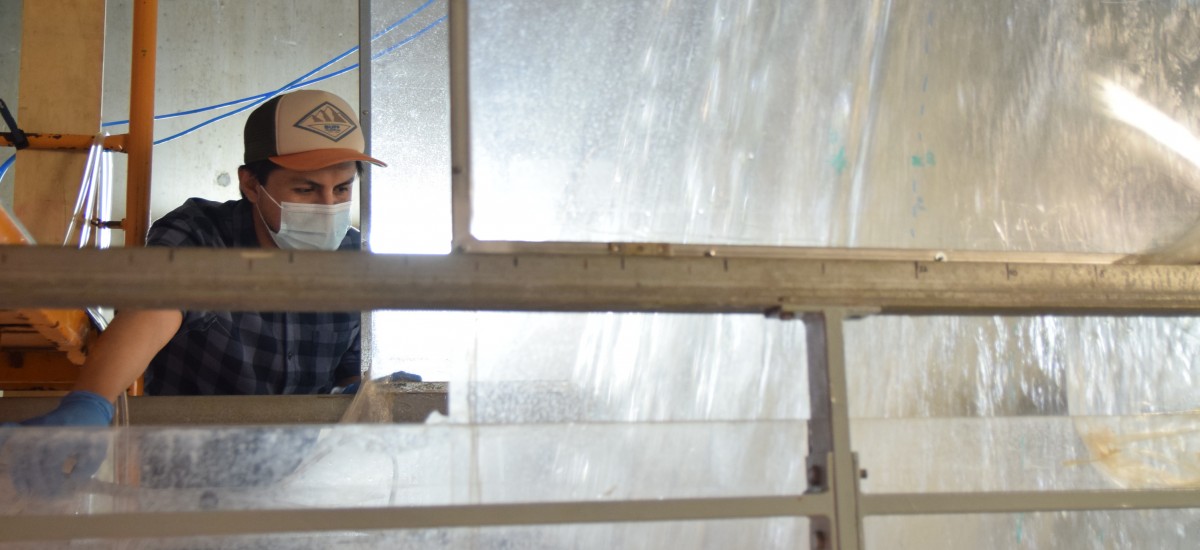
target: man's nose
328 197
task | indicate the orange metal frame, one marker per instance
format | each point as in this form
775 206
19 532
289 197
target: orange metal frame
68 141
70 330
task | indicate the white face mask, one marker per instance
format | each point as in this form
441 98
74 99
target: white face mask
309 226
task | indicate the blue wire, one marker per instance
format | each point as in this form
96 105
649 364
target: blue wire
294 85
7 163
392 48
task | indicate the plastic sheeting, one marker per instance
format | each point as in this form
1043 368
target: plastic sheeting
1000 125
773 533
1009 125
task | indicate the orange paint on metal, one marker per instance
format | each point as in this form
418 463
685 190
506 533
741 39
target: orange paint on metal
69 142
141 122
36 370
10 229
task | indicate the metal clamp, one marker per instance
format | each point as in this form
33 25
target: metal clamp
14 135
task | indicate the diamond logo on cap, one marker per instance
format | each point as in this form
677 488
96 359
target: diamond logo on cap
327 120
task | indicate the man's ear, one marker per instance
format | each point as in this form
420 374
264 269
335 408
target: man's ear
248 184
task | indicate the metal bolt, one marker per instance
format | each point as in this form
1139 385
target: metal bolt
816 476
820 540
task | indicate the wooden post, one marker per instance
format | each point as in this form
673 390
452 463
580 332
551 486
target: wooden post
62 69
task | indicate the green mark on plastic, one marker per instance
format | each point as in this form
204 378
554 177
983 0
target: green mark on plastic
839 160
919 161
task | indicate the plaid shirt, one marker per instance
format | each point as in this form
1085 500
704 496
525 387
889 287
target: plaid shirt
223 352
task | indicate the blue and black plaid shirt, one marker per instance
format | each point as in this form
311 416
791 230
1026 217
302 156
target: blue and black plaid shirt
223 352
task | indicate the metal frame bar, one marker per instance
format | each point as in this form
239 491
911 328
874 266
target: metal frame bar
1025 501
831 463
246 522
69 141
342 281
460 128
140 144
365 94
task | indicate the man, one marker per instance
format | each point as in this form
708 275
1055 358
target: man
303 152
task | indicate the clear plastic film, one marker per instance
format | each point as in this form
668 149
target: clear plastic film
1076 530
716 535
1046 403
603 367
1009 125
355 466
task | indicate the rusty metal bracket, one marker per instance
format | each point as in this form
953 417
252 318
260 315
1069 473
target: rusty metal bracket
64 141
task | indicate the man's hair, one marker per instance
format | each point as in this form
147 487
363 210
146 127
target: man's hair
261 169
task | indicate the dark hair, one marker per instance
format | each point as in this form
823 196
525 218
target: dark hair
261 169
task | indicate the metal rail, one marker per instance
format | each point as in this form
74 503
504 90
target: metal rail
350 281
141 122
245 522
69 141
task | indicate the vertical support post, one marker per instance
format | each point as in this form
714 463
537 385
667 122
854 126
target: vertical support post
366 322
364 114
140 144
460 128
831 463
60 91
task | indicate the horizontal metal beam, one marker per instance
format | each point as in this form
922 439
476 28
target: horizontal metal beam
1026 501
411 402
349 281
68 141
248 522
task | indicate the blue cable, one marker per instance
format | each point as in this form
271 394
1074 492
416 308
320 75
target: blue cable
298 83
294 84
7 163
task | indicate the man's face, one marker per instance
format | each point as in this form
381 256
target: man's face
331 185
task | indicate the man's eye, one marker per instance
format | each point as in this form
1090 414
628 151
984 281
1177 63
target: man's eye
342 190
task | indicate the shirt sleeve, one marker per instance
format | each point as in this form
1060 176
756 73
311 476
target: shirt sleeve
179 228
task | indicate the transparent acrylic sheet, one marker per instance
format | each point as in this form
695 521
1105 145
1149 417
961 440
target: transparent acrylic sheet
1074 530
1042 402
1000 125
410 117
601 367
1005 366
926 455
715 534
348 466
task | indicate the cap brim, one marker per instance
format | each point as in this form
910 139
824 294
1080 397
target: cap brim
321 158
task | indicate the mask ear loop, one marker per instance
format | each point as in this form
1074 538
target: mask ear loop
257 208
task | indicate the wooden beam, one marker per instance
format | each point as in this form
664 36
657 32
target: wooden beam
62 55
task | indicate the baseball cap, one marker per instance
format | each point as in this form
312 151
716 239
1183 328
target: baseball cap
305 130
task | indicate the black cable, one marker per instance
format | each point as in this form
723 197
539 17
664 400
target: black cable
15 136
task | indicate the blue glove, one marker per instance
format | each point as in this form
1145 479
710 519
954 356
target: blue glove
398 376
52 463
78 408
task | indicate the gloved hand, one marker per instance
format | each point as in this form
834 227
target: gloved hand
52 463
398 376
78 408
